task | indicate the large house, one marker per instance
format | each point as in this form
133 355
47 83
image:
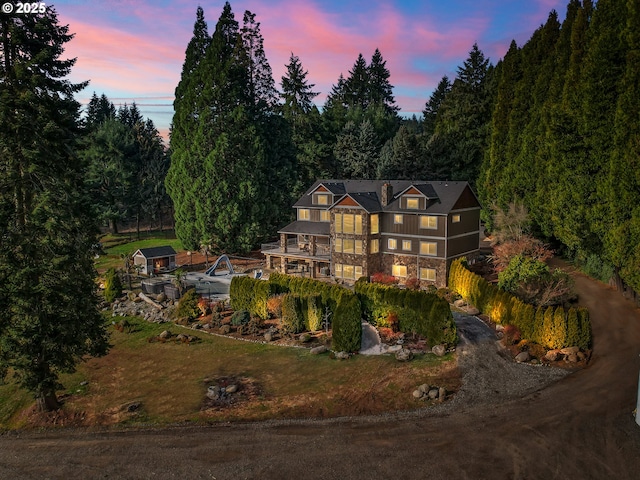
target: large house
347 229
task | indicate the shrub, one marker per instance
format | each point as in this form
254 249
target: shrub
274 305
203 305
347 324
412 283
314 313
383 278
188 305
392 321
112 286
292 319
240 317
573 328
585 329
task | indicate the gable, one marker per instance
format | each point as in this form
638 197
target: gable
413 191
347 202
467 199
321 188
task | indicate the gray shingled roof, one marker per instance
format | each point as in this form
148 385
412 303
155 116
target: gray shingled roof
306 228
442 194
157 252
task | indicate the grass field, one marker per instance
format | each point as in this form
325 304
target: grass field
126 243
169 380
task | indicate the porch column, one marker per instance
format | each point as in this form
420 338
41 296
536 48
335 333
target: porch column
312 266
312 246
283 242
283 264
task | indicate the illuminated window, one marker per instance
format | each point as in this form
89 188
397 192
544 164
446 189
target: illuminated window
303 214
428 221
406 245
348 271
322 199
348 223
397 218
338 268
413 203
392 244
399 271
338 245
428 248
358 224
325 216
348 245
428 274
375 245
455 218
338 223
375 225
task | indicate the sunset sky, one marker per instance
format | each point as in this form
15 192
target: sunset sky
133 50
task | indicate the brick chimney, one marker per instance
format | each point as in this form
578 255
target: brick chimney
387 194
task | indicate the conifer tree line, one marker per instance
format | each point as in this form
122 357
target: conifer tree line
242 150
565 133
127 164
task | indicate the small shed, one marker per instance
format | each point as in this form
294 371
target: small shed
155 259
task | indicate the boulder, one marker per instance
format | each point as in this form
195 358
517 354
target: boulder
499 328
433 394
572 358
424 388
342 355
417 394
459 303
224 329
318 350
394 348
214 392
231 388
305 338
581 356
569 350
553 356
439 350
473 311
523 357
165 334
268 337
404 355
181 338
442 394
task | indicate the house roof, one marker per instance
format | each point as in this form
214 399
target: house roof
307 228
441 195
156 252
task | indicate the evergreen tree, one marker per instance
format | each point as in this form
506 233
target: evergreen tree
356 151
402 157
49 318
357 85
431 108
99 109
380 89
297 93
186 156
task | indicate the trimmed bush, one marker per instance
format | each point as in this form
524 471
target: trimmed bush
585 329
112 286
347 324
292 319
573 328
240 318
188 305
251 294
314 313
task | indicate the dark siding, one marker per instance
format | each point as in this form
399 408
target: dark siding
458 246
469 222
466 200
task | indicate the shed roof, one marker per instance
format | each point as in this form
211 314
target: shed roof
156 252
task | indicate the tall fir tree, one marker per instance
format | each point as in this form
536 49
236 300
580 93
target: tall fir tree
49 318
431 108
380 88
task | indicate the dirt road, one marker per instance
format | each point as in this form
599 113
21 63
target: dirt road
580 427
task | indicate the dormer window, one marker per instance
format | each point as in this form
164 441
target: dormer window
321 199
413 203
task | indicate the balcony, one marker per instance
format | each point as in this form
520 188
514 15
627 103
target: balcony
297 249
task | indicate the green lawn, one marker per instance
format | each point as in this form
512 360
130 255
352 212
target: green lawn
123 243
169 381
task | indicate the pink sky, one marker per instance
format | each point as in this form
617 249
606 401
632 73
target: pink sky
133 50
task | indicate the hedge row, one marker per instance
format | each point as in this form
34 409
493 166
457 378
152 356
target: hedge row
417 311
311 300
251 294
551 328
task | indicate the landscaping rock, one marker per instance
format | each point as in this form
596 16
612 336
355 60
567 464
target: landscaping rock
417 394
268 336
439 350
394 348
424 388
473 311
225 329
165 334
214 392
523 357
499 328
442 394
553 356
569 350
181 337
459 303
305 338
433 393
342 355
404 355
572 358
231 389
318 350
581 356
